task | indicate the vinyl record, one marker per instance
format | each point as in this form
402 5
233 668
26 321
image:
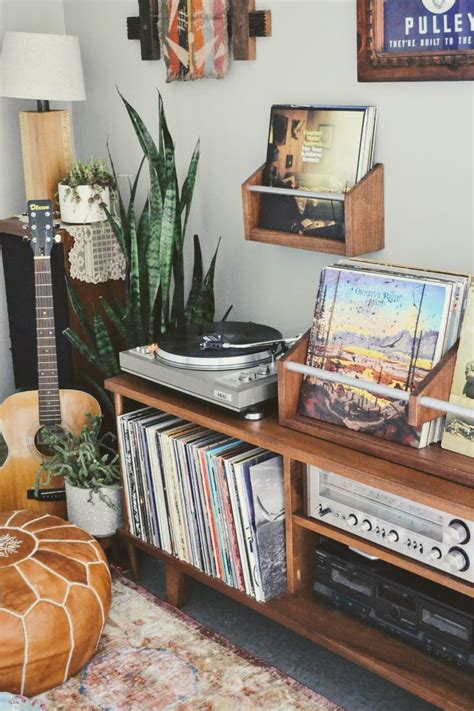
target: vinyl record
182 346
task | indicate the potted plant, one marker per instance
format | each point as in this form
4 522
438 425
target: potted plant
84 192
92 477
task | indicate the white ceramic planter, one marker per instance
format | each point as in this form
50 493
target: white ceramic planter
82 211
94 516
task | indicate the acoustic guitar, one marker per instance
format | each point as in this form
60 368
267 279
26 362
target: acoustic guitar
25 416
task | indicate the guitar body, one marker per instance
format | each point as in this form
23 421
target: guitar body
19 424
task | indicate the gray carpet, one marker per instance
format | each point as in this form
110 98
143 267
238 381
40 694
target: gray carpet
332 676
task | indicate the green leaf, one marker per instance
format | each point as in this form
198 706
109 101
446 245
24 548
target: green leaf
119 232
135 294
79 309
203 311
119 196
146 141
196 282
119 320
83 348
167 246
105 348
188 186
154 243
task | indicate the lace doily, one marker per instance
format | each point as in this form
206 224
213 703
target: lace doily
96 256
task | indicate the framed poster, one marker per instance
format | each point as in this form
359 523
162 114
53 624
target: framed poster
415 40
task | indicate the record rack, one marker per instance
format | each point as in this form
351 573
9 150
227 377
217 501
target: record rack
418 672
363 216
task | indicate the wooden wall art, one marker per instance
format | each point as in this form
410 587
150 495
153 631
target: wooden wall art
244 25
415 40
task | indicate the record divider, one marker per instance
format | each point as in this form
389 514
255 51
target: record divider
412 669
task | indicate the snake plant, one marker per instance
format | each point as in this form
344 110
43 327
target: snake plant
153 245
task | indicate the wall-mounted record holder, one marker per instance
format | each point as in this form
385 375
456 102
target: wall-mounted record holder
354 224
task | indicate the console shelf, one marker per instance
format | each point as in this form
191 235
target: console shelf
412 669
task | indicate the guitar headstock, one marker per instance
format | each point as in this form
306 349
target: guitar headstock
41 227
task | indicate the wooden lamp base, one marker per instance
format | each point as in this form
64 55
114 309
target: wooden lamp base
46 139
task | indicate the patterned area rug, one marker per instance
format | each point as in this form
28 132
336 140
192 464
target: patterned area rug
153 657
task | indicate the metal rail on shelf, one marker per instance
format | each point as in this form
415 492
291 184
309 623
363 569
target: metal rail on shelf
379 389
296 192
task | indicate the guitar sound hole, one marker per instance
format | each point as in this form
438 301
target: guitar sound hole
3 451
41 439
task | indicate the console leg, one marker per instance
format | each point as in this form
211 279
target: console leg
177 586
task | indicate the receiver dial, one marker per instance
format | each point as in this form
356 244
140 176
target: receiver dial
457 560
457 533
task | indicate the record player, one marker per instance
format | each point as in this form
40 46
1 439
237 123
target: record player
230 363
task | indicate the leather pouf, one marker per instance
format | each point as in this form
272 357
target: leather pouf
55 591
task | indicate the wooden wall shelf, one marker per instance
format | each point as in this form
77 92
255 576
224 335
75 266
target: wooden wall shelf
432 459
437 682
364 219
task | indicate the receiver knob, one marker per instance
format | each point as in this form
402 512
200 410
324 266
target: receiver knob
352 520
457 532
366 525
392 536
435 554
457 560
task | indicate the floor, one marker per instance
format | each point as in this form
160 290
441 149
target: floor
339 680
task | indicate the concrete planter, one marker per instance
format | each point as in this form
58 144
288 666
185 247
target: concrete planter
86 509
82 212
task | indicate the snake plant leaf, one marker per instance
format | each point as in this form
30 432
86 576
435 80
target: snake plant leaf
167 245
143 235
204 307
119 232
153 253
105 348
188 186
122 212
135 294
144 137
196 282
133 190
83 348
119 321
166 143
79 309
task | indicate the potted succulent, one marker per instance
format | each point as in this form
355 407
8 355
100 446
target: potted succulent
84 192
92 477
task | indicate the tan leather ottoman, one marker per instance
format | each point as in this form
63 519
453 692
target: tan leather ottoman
55 593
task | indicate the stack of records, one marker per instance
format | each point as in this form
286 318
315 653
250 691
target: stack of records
321 149
212 501
383 323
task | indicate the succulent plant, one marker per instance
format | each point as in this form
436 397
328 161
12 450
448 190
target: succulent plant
94 173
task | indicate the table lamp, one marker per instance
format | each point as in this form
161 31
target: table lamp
47 68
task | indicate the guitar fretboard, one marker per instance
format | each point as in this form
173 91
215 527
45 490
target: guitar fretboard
49 403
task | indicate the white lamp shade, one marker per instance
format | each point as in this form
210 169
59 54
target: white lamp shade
38 66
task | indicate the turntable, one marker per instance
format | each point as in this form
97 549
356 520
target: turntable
230 363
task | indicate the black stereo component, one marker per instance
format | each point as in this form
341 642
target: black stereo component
423 613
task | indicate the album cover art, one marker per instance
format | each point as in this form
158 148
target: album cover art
459 431
374 327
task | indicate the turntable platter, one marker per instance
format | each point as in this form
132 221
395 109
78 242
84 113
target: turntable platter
182 347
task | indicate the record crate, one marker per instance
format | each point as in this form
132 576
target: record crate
363 207
432 459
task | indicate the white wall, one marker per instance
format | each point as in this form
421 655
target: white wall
425 140
19 16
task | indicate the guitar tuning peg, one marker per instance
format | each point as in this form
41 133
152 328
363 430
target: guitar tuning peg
26 238
57 238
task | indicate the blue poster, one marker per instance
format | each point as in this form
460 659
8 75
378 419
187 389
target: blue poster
428 26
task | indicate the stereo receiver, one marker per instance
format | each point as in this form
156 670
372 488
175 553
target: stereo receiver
434 537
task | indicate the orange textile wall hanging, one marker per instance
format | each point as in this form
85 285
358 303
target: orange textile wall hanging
194 38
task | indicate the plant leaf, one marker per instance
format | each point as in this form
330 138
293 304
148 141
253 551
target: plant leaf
188 186
203 311
196 282
79 308
105 348
144 137
83 348
167 247
119 321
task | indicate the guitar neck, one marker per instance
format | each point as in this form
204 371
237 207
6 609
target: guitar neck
48 387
